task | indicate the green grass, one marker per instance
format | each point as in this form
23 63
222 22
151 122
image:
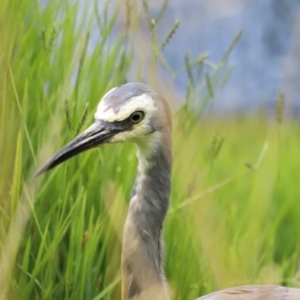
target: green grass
233 218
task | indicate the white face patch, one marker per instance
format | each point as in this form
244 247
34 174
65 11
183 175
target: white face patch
142 102
139 134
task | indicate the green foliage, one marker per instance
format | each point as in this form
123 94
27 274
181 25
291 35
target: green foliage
232 218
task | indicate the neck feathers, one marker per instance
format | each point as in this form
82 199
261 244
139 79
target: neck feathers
142 257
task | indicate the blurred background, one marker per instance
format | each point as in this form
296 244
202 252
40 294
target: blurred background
266 58
230 71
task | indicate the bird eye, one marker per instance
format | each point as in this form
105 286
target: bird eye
137 116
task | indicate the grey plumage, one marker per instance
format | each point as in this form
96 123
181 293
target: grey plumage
255 292
135 112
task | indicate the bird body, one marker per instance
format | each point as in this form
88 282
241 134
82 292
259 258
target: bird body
135 112
255 292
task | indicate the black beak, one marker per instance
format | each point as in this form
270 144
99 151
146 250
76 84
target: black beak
97 134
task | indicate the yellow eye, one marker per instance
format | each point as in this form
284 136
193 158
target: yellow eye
137 116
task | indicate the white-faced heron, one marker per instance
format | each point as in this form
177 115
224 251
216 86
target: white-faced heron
135 112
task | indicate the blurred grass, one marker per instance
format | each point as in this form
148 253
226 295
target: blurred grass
233 217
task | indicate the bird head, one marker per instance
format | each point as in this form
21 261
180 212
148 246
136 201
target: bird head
132 112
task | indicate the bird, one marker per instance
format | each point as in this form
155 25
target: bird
134 112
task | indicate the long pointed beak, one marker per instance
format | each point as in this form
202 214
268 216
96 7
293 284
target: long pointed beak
97 134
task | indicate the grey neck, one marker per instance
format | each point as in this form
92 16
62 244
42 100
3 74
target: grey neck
142 258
